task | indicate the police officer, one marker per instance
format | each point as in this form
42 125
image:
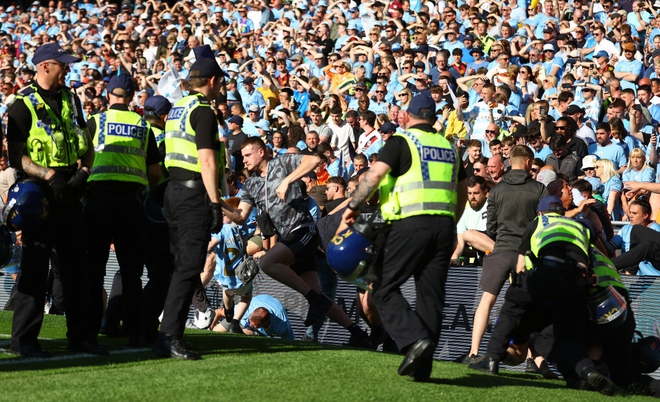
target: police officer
158 259
194 159
558 249
48 143
423 191
126 160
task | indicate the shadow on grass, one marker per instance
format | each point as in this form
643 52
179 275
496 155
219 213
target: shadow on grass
477 380
206 343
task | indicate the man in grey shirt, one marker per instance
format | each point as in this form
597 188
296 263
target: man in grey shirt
272 188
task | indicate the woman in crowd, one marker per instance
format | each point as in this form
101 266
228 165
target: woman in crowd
611 187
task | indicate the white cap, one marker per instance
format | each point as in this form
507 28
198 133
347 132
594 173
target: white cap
548 46
589 162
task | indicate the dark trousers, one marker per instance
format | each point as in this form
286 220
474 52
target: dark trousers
420 247
559 284
188 216
519 317
328 280
160 265
116 216
644 245
63 230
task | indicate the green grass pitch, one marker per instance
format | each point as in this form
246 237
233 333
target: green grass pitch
240 368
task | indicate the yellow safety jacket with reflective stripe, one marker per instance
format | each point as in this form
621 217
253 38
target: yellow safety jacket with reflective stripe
552 228
159 134
606 272
120 142
54 141
429 186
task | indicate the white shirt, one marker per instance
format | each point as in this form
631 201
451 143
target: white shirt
472 219
341 137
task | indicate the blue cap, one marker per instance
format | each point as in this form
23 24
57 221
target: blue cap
157 106
550 203
10 25
322 3
3 15
602 53
521 32
123 82
207 68
353 10
352 24
53 51
396 47
388 127
236 120
74 77
217 10
422 106
423 48
263 124
166 16
203 52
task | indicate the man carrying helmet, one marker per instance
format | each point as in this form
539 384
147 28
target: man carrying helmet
423 191
48 142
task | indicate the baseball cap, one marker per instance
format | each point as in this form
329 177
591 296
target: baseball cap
248 80
423 48
546 176
550 204
476 50
388 127
602 53
166 16
396 47
548 30
457 50
157 106
207 68
254 108
573 109
353 10
263 124
236 120
548 47
53 51
589 162
519 130
628 46
233 67
123 83
423 106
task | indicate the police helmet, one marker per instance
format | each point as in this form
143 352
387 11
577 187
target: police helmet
26 207
608 307
349 254
152 202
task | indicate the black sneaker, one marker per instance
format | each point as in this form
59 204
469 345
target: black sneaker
596 380
317 308
235 327
531 367
472 359
360 340
91 348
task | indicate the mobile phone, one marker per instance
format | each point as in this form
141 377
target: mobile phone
543 112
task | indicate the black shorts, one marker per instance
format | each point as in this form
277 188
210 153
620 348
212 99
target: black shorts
303 243
496 268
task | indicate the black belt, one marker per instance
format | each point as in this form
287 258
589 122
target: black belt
192 184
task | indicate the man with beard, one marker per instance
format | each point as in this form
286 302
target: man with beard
471 229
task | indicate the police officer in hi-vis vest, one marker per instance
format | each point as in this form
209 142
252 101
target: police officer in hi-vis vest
126 159
194 158
423 191
48 142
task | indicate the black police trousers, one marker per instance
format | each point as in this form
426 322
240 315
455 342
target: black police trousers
64 230
116 216
418 247
188 214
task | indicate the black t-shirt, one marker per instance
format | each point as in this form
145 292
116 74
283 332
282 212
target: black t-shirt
235 141
20 119
205 125
396 154
331 205
153 155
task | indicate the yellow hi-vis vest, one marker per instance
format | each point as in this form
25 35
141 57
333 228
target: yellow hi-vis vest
159 134
429 186
180 146
54 141
553 228
606 272
120 143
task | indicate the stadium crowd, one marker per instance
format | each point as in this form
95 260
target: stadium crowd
575 83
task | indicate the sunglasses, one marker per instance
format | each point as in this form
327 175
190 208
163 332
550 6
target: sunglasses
535 170
380 92
562 128
477 170
491 132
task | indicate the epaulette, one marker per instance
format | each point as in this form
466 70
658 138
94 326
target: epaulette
27 91
204 102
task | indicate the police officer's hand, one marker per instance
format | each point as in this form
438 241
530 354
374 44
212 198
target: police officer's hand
79 179
216 217
59 186
350 215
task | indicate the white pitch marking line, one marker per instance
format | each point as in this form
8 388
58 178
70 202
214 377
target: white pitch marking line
64 357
